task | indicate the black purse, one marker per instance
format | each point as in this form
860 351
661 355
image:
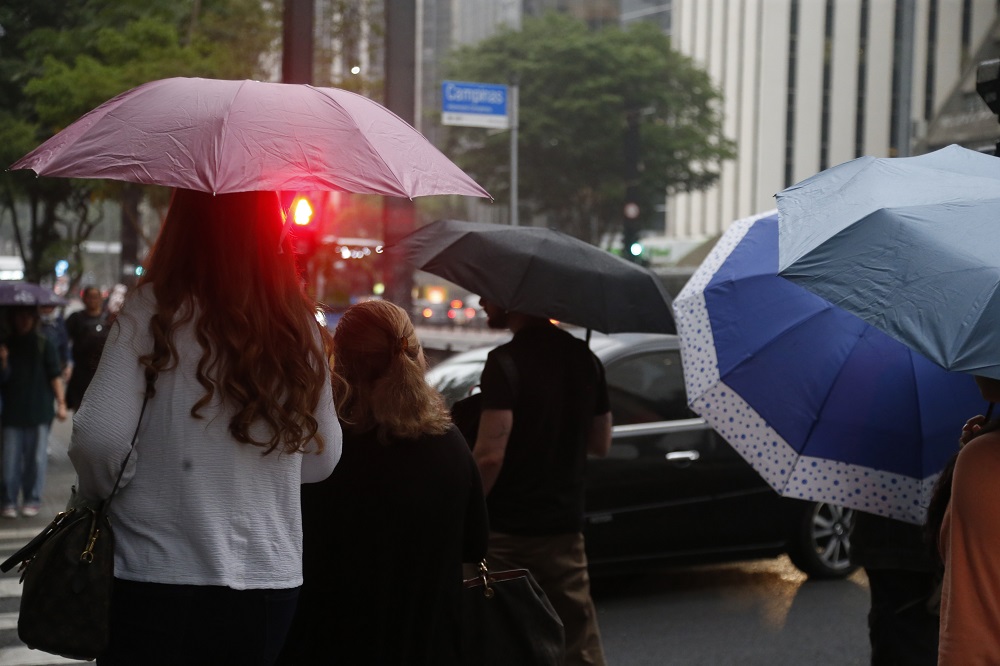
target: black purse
68 574
507 619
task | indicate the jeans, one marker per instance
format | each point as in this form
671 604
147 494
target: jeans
193 625
24 459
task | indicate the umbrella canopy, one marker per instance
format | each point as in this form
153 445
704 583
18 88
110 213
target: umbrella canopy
236 136
910 245
26 293
824 406
543 272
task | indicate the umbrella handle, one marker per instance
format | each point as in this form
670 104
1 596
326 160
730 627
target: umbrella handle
989 413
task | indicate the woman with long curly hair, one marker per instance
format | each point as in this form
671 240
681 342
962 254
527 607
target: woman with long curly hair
207 520
387 533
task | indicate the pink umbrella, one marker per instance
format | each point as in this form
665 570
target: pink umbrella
237 136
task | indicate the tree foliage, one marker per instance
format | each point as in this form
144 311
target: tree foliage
351 32
60 59
577 87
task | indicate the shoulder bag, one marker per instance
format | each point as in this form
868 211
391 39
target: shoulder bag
507 619
68 573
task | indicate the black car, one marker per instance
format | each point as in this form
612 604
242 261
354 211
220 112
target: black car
672 490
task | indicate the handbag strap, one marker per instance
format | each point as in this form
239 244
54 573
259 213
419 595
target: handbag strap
150 390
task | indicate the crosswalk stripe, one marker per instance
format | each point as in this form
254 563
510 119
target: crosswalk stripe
19 534
8 621
10 587
24 656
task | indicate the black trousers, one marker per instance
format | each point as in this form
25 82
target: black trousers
153 624
902 630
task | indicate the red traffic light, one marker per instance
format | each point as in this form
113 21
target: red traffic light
302 211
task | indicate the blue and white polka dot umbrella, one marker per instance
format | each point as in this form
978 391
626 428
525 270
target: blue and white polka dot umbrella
824 406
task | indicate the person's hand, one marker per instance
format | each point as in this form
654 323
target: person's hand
61 412
972 429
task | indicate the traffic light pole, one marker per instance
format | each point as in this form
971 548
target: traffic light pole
297 42
631 212
398 214
514 101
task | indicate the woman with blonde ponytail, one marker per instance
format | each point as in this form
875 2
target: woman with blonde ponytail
387 533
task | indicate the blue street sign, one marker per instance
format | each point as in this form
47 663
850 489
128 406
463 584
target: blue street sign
474 104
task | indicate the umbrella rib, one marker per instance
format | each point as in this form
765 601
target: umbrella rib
223 135
800 323
826 397
364 135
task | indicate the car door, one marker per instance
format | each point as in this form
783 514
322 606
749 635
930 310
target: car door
656 493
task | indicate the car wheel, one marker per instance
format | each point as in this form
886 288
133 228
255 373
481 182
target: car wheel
820 543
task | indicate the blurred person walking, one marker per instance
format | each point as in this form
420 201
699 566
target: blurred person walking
32 392
54 327
544 409
903 581
387 533
88 330
208 528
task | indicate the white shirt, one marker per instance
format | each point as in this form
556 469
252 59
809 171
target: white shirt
195 506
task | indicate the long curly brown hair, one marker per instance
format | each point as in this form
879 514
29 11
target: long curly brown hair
221 262
378 375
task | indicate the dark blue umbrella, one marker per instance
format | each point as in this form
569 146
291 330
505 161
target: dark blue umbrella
824 406
26 293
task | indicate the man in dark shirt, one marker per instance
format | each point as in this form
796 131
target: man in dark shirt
545 407
88 330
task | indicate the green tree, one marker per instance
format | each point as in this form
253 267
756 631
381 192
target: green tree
350 32
58 60
577 88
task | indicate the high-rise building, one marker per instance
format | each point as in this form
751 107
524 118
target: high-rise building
806 84
809 84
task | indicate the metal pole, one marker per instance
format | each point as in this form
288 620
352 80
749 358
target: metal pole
513 154
297 41
399 214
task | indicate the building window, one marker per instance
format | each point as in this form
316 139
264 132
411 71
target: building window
793 49
653 11
859 109
966 30
897 71
932 21
824 129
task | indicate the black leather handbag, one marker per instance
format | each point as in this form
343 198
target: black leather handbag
507 620
68 574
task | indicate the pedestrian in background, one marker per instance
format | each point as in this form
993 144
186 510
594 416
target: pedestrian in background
902 581
544 409
54 327
387 533
208 531
88 330
32 397
969 542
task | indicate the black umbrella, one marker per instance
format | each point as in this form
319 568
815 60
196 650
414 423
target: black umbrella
543 272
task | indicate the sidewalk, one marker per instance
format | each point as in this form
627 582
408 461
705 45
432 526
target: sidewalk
58 480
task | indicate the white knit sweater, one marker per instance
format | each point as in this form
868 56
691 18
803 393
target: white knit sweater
196 507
